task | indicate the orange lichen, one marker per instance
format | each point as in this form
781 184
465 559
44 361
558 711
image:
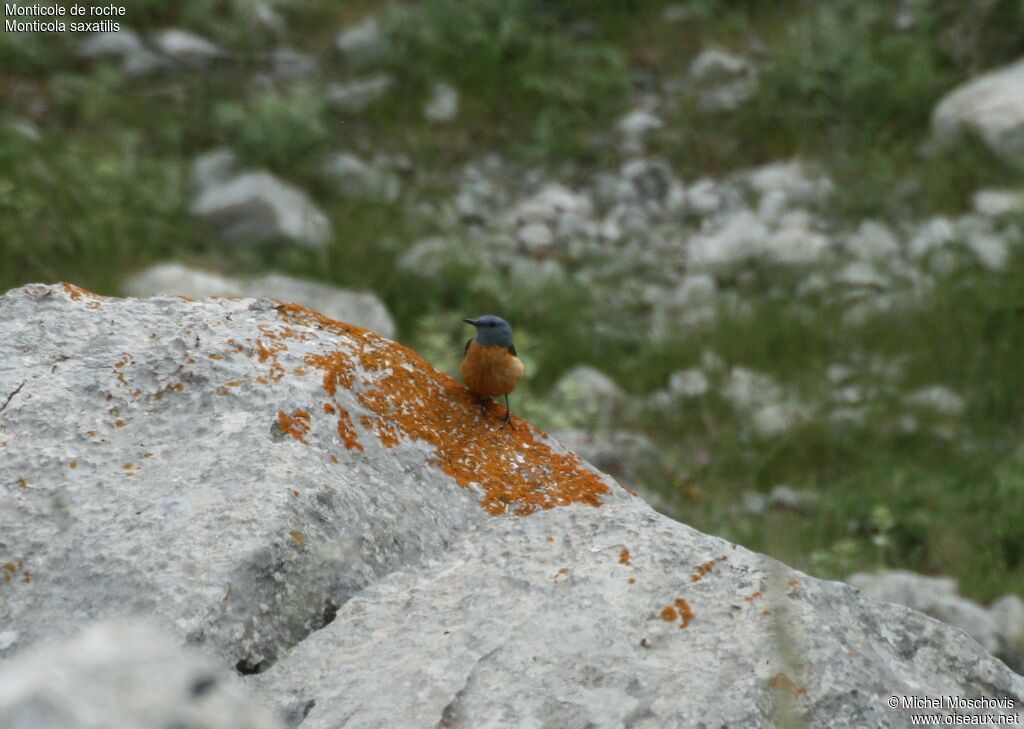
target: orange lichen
753 597
233 383
781 682
685 612
120 423
766 612
551 539
334 458
632 580
346 431
329 408
681 610
296 425
299 538
624 556
22 483
74 464
405 398
705 569
127 466
76 293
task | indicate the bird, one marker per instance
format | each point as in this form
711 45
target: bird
490 367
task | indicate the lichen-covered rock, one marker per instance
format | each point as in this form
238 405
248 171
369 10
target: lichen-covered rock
617 617
238 468
123 674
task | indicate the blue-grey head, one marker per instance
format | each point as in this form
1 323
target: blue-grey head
492 330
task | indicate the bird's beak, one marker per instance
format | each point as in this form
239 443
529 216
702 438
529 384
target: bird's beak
470 321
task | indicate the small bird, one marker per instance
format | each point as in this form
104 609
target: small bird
490 367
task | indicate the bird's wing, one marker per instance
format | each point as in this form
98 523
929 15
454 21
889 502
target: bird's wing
467 346
511 348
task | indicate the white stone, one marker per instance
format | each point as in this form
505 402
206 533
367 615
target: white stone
355 178
938 399
990 249
351 97
256 207
992 105
124 674
443 104
689 383
186 47
932 235
873 241
996 203
360 308
362 44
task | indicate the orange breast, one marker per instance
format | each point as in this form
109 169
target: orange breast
490 370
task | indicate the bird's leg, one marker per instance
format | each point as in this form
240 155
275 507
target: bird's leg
508 410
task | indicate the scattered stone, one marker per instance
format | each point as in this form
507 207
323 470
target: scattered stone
187 48
213 168
722 81
364 44
287 64
873 241
359 308
124 674
254 208
997 203
443 104
352 97
355 178
781 497
636 128
589 397
940 400
992 105
125 44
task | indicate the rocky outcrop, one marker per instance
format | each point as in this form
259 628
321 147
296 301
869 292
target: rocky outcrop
304 500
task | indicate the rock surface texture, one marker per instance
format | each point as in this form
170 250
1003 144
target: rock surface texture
307 501
123 674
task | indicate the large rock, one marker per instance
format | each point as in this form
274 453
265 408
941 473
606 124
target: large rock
620 617
237 468
123 674
358 307
246 472
991 105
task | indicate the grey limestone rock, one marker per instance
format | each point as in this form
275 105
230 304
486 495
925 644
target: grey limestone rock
255 207
935 596
353 96
356 307
992 105
124 674
211 463
617 617
187 48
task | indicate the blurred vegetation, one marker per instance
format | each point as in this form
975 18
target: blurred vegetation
100 189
